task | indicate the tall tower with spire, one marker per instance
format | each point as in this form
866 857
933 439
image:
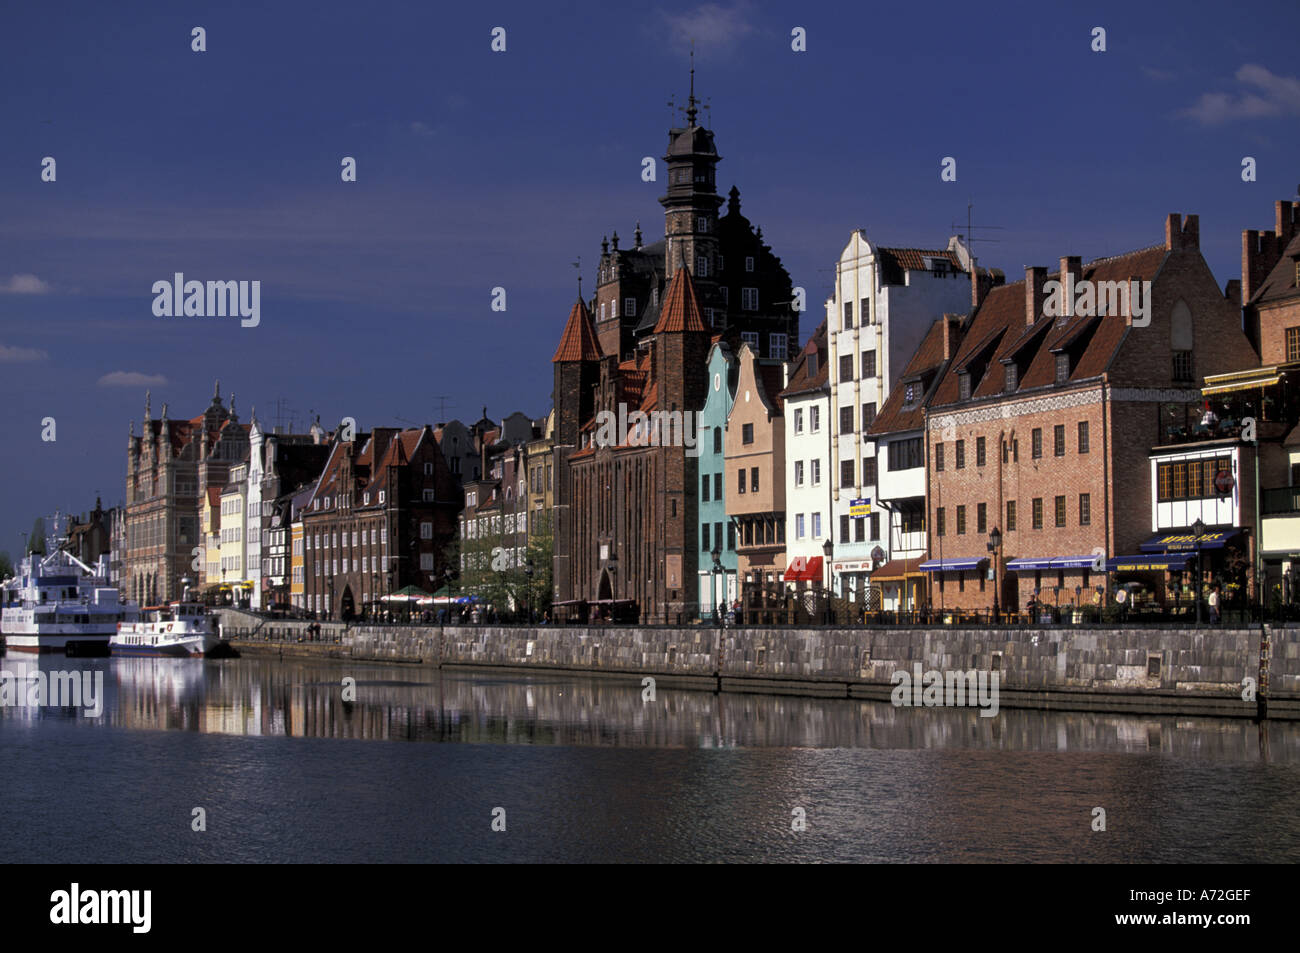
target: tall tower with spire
692 201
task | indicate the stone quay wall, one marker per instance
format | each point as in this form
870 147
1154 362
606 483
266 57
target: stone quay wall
1191 671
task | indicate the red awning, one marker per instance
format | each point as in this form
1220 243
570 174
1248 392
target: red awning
804 569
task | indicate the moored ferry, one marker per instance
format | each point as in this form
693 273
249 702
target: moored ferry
57 603
182 629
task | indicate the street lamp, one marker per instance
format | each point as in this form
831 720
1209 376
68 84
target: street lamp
995 546
717 569
827 549
1198 530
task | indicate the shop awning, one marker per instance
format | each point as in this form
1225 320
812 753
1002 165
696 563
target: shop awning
1241 380
953 565
897 569
1185 541
804 569
1075 562
1175 562
1023 563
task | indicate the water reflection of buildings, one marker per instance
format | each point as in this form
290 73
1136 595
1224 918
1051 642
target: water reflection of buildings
290 698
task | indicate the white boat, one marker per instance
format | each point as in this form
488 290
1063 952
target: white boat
57 603
183 629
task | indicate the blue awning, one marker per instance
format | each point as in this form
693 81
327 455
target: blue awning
1030 562
1075 562
953 565
1186 542
1175 562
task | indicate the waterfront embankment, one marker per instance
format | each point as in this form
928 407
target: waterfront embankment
1231 672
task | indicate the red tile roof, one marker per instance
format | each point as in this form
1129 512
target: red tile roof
578 343
800 382
913 259
681 309
1280 283
928 359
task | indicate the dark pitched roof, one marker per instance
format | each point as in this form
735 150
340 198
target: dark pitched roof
1280 284
800 381
578 343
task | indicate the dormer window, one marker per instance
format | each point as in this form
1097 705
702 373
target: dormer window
366 499
963 385
1012 380
1062 368
909 394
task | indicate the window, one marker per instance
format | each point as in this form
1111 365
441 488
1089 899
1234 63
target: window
1182 365
868 364
846 367
940 519
704 487
1083 436
717 439
740 480
1293 338
704 537
1011 516
869 471
848 315
798 526
1190 480
701 223
798 473
749 263
778 345
701 266
868 415
753 479
909 395
798 420
1036 442
845 532
959 454
963 385
846 420
1038 512
961 520
814 419
721 265
938 457
717 486
875 525
1058 439
817 526
747 434
1009 381
629 306
1085 509
731 536
864 311
846 473
981 518
749 299
750 338
816 473
905 454
1062 368
979 452
1060 511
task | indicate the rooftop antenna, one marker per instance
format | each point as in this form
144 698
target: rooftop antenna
577 263
691 111
442 406
970 239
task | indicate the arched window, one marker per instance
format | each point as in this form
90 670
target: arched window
1181 341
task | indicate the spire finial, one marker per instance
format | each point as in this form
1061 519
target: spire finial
636 236
690 107
216 392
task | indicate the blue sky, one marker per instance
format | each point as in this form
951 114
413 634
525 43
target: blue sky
479 169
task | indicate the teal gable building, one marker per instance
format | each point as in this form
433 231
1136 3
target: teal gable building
716 535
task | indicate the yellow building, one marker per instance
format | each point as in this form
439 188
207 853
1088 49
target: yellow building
208 568
297 578
539 472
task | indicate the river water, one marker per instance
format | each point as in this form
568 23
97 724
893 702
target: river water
424 762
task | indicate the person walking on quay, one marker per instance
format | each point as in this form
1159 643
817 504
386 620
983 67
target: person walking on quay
1214 603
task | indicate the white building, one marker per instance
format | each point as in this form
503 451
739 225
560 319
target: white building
807 464
884 302
253 509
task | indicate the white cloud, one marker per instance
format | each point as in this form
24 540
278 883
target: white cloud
24 285
132 379
1262 94
20 355
422 130
711 25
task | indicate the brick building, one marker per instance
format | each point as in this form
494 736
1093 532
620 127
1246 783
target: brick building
626 510
379 519
1041 424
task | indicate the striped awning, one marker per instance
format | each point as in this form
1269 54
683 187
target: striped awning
1252 379
1032 563
953 565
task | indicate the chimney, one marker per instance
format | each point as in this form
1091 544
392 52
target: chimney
979 287
1035 278
1072 265
1259 253
951 335
1286 222
1173 232
1192 233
